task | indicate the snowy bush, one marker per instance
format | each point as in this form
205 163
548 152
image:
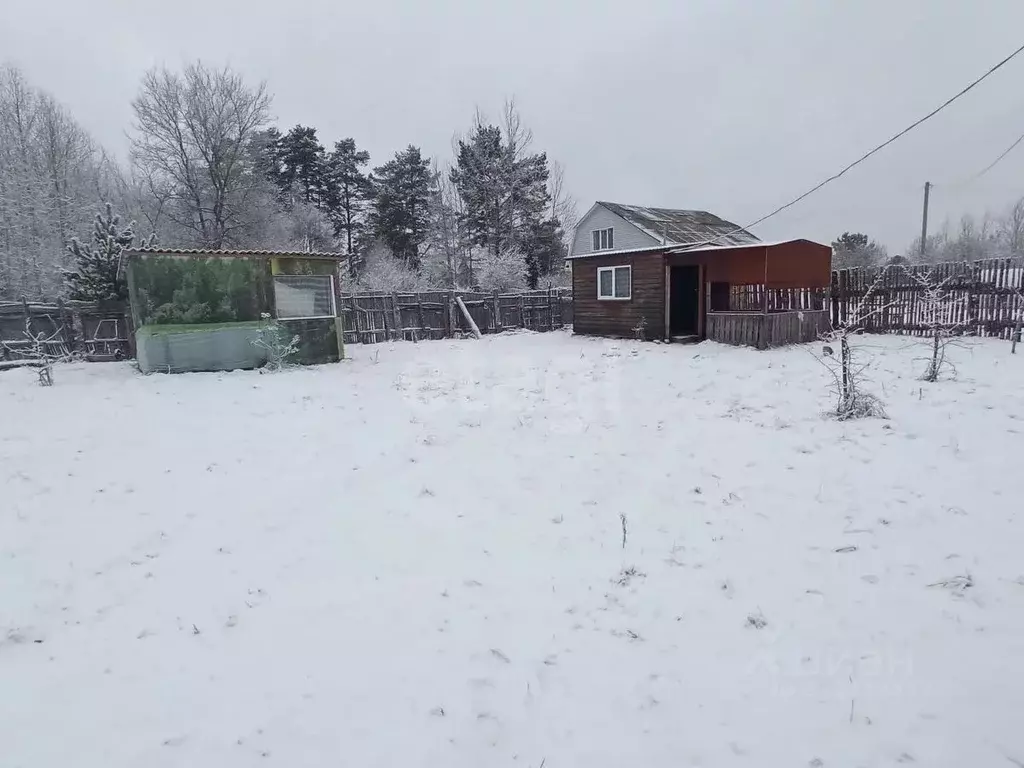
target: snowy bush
274 341
381 271
503 272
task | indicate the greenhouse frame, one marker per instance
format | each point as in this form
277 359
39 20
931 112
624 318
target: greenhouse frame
218 310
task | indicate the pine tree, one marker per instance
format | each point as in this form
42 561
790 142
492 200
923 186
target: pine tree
544 249
265 154
303 165
401 213
349 194
97 265
479 176
504 190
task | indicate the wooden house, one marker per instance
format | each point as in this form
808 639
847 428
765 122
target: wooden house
675 275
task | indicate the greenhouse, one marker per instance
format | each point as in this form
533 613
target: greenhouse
206 310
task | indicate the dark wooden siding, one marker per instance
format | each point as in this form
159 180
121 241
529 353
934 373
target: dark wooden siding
620 318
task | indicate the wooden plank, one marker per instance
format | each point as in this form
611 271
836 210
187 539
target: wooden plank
469 318
396 318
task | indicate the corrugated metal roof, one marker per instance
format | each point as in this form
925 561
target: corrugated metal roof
676 227
619 252
706 248
231 253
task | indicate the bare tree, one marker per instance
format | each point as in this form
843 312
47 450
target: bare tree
1011 229
944 313
563 205
50 182
853 401
193 132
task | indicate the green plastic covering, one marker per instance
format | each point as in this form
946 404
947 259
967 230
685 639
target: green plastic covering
215 347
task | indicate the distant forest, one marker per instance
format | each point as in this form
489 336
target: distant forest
209 169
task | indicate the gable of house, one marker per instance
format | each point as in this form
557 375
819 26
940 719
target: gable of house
626 236
636 227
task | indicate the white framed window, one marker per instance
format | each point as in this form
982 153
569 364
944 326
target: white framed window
304 297
603 239
615 283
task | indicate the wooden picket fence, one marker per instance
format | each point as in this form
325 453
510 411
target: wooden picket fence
369 318
752 298
987 295
97 331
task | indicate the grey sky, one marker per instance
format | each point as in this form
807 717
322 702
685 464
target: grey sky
728 105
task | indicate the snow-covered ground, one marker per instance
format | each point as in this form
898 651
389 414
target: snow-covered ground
415 558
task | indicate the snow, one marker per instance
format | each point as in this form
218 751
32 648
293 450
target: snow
415 558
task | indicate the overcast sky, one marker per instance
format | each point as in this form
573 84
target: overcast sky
732 106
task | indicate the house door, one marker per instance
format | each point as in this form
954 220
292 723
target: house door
684 300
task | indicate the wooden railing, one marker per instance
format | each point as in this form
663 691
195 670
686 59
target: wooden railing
775 329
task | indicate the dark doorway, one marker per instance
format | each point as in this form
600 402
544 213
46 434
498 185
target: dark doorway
684 301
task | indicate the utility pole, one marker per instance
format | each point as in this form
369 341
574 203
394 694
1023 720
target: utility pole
924 218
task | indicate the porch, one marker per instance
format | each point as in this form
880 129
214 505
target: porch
760 295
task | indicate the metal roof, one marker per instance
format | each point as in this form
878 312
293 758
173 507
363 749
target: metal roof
619 252
675 227
706 248
157 251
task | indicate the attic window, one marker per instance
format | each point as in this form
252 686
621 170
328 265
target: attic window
604 239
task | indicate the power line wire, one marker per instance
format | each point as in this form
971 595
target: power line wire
865 156
988 167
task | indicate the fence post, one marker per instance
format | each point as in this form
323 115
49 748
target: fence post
522 312
358 321
28 316
396 318
419 312
67 325
551 317
450 314
497 313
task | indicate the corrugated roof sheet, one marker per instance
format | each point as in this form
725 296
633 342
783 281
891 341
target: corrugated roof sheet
759 244
677 227
231 253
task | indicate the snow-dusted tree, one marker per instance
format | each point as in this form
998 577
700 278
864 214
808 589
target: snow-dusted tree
503 272
449 256
350 193
95 275
303 227
303 175
971 240
381 271
193 139
854 249
847 370
401 206
51 178
510 204
1010 228
479 177
944 313
563 206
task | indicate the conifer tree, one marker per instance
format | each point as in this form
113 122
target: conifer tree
95 277
349 193
401 214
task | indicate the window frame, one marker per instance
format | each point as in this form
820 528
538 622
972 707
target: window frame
596 237
612 269
334 300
